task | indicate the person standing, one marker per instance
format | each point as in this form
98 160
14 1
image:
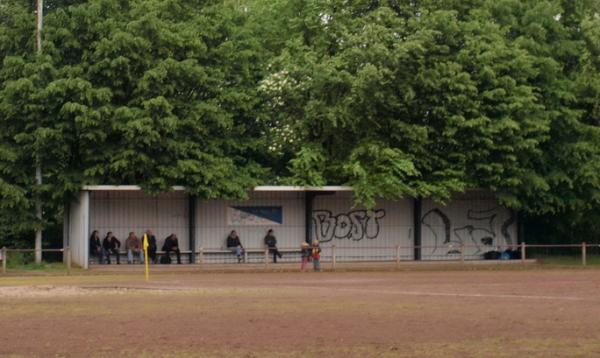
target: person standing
111 245
305 252
235 245
316 255
134 247
172 244
152 247
96 246
271 243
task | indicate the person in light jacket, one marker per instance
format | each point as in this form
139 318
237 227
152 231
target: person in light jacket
134 247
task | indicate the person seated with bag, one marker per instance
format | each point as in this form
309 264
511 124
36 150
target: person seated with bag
171 244
235 245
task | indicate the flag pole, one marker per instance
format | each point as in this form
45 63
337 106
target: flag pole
145 244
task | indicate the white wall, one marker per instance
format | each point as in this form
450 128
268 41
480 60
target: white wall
474 219
124 211
213 226
363 234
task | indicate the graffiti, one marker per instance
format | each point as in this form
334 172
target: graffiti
447 226
479 231
482 232
477 236
354 225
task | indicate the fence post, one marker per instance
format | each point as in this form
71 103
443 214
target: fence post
266 256
523 253
462 253
397 256
4 259
68 252
201 255
333 258
583 253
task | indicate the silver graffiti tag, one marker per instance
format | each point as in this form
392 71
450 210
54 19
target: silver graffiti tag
354 225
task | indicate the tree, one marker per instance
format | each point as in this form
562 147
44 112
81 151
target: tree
423 103
155 93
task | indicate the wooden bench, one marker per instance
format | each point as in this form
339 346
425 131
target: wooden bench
182 253
123 257
264 252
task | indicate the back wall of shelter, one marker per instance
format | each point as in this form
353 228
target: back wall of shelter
123 212
281 211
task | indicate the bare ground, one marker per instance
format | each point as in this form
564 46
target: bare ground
371 314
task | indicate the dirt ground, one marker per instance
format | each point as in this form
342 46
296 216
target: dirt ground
481 313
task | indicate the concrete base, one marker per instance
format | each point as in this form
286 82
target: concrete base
326 266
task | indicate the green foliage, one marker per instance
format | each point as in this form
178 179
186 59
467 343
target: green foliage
155 93
481 94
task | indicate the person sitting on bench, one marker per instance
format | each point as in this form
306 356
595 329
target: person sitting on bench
151 246
111 245
234 245
271 243
172 244
134 247
96 246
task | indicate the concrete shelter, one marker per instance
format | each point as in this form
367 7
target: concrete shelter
409 228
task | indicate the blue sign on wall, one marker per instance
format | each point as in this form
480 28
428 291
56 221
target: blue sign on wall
255 215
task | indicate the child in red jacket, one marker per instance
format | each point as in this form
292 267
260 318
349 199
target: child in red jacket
316 255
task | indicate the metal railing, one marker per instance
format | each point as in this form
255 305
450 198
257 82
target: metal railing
334 254
571 254
5 251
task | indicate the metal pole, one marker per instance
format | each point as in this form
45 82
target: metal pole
38 168
201 255
583 253
417 240
523 253
68 252
397 256
4 259
333 257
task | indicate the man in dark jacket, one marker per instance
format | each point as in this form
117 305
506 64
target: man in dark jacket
111 245
152 247
235 245
172 244
271 243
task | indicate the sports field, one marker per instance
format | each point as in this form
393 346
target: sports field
481 313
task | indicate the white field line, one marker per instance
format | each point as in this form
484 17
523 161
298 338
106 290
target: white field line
36 291
448 294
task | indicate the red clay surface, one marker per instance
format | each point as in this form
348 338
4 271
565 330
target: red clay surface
371 314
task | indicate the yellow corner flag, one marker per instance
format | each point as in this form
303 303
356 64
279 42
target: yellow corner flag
145 246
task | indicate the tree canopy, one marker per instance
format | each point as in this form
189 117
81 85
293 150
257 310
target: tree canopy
397 98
